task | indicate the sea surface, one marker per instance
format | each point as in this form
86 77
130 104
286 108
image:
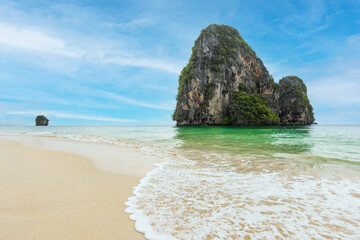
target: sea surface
239 183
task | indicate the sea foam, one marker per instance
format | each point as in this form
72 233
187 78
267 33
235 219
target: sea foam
184 199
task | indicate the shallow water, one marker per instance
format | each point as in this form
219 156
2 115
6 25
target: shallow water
239 183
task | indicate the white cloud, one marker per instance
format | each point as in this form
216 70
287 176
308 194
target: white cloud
68 115
340 85
145 62
353 42
36 40
334 92
304 22
338 115
136 102
135 23
92 92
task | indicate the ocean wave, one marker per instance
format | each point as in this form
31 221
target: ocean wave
184 199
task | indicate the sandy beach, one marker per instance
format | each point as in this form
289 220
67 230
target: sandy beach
53 188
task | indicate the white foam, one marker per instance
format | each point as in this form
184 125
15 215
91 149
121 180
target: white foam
185 199
143 222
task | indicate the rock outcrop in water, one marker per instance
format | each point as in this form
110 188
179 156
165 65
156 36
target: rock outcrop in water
294 105
225 83
41 120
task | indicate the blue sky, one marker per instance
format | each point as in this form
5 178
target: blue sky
117 62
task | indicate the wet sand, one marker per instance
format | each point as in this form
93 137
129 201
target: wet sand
54 188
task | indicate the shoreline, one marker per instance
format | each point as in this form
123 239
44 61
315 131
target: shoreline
56 188
291 194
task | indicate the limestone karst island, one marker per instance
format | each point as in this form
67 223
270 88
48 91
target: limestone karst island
225 83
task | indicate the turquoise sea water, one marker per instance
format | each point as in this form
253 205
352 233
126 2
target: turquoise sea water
329 142
235 183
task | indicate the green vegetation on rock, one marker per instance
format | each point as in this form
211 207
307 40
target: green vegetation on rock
229 40
209 89
226 121
242 87
187 72
229 44
252 110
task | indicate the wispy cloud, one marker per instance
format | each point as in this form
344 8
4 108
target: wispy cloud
133 24
34 39
113 98
68 115
144 62
305 18
334 92
353 42
136 102
340 87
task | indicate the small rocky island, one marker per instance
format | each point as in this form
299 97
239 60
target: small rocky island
41 120
225 83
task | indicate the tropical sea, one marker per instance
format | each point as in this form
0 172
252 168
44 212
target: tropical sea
238 183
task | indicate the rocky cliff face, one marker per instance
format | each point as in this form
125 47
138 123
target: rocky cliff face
41 120
225 83
294 105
